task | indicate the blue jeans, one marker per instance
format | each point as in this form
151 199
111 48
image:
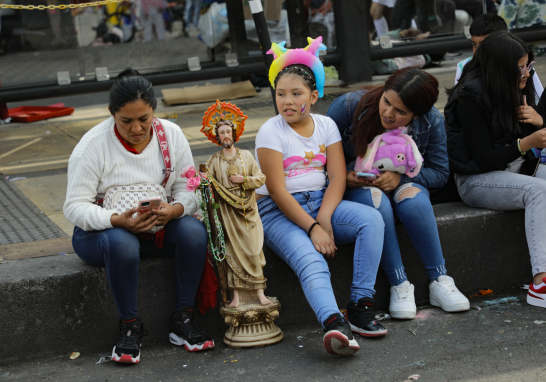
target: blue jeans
119 251
417 216
506 191
191 12
351 222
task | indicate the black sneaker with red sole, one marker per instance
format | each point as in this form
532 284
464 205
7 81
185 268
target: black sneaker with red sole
185 333
362 319
127 350
338 339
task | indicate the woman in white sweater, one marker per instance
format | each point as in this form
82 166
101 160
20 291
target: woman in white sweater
125 150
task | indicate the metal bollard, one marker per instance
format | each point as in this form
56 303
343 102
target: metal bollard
263 36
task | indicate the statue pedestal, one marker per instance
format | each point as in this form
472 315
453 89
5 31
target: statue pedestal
252 324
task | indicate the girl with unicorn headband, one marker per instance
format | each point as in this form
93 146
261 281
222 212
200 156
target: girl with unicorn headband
303 214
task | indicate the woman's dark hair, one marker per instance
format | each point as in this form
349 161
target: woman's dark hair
302 71
130 86
486 24
496 64
417 89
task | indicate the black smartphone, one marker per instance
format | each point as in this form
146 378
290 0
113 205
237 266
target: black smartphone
529 167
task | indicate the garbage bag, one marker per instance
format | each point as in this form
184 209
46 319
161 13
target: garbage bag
213 25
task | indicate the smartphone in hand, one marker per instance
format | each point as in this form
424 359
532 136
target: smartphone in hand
147 204
366 176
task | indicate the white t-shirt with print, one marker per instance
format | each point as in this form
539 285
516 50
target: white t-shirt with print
304 159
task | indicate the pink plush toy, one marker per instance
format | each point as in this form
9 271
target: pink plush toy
391 151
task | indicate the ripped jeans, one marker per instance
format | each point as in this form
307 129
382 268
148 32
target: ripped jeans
415 212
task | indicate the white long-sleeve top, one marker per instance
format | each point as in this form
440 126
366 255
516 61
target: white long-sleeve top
99 161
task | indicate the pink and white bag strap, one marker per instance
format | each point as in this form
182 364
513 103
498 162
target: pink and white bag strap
164 145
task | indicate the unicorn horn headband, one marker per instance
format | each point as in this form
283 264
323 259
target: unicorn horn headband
308 56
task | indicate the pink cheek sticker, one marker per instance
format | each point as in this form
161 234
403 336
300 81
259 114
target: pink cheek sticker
303 108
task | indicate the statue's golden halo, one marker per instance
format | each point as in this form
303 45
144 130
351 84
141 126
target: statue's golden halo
221 113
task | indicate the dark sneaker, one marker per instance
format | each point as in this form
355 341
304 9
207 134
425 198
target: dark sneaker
127 349
184 332
338 339
362 318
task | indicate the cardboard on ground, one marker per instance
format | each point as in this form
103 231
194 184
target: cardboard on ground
272 9
208 93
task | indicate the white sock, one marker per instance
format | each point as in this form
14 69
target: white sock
539 286
413 24
381 26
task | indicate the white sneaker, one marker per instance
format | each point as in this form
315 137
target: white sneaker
444 293
402 305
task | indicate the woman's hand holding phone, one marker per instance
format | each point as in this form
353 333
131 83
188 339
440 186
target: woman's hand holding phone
354 182
141 223
387 181
166 212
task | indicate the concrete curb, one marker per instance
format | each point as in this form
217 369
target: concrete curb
56 305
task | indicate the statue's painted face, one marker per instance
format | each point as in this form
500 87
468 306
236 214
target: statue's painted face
225 135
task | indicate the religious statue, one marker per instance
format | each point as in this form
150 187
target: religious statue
234 175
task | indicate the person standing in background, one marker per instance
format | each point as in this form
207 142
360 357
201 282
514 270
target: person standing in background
376 10
427 14
523 13
152 16
191 13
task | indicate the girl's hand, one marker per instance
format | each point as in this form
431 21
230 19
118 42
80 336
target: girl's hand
354 182
142 223
324 240
237 178
326 226
527 114
166 212
537 139
387 181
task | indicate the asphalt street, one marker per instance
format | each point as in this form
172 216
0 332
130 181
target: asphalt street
501 342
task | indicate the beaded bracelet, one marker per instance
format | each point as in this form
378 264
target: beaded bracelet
311 228
519 147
